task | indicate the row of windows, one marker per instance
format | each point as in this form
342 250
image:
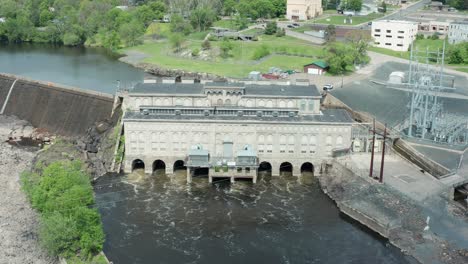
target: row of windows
206 102
389 31
388 44
389 36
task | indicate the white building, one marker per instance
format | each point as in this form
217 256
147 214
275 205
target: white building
303 9
282 125
394 34
458 32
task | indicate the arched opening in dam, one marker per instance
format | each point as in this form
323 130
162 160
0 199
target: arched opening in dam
138 164
159 167
180 168
264 170
307 167
286 169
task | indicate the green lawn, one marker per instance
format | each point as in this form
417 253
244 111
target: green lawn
461 69
339 19
227 24
420 44
283 55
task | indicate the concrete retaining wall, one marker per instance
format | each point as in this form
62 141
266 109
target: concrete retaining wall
407 151
61 110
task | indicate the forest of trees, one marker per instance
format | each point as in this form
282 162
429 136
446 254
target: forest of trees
100 23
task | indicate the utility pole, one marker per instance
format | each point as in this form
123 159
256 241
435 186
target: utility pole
383 154
373 146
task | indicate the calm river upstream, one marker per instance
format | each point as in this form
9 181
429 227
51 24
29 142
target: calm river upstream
87 68
157 219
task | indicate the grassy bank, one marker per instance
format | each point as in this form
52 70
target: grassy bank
339 19
284 52
69 225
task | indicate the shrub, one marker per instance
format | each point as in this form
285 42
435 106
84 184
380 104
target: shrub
419 36
271 28
71 39
195 52
280 32
226 47
206 44
261 52
62 193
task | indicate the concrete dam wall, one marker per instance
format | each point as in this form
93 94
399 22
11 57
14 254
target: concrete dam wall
58 109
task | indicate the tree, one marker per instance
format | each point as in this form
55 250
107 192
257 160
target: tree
383 7
229 7
131 33
71 39
178 24
271 28
355 5
202 18
330 33
359 40
176 41
225 47
241 22
340 57
458 53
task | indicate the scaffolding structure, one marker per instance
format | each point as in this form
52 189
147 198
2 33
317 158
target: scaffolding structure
427 119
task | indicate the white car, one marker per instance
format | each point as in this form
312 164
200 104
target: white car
328 87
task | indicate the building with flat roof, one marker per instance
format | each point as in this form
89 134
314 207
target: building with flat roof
458 32
394 34
230 130
303 9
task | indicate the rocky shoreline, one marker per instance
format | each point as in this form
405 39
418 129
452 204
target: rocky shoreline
18 221
135 59
382 209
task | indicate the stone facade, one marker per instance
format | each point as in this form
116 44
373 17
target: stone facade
282 124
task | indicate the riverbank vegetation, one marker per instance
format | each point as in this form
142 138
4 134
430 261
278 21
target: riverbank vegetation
69 225
112 24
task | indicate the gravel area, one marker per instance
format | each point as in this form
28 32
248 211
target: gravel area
18 222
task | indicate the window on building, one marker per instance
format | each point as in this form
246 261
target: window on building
389 31
401 31
269 148
388 44
328 140
401 37
388 36
377 43
239 170
377 30
400 45
311 105
376 35
247 170
303 105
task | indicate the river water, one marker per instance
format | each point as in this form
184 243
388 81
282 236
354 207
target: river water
88 68
159 219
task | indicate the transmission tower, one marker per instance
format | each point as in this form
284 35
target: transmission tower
426 81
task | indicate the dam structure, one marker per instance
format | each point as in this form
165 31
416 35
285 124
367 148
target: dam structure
230 129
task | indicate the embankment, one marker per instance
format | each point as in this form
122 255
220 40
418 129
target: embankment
388 212
59 109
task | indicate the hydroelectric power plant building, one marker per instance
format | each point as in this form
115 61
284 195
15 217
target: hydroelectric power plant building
230 130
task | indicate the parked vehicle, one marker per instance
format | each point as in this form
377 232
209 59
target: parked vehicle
328 87
296 25
290 26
